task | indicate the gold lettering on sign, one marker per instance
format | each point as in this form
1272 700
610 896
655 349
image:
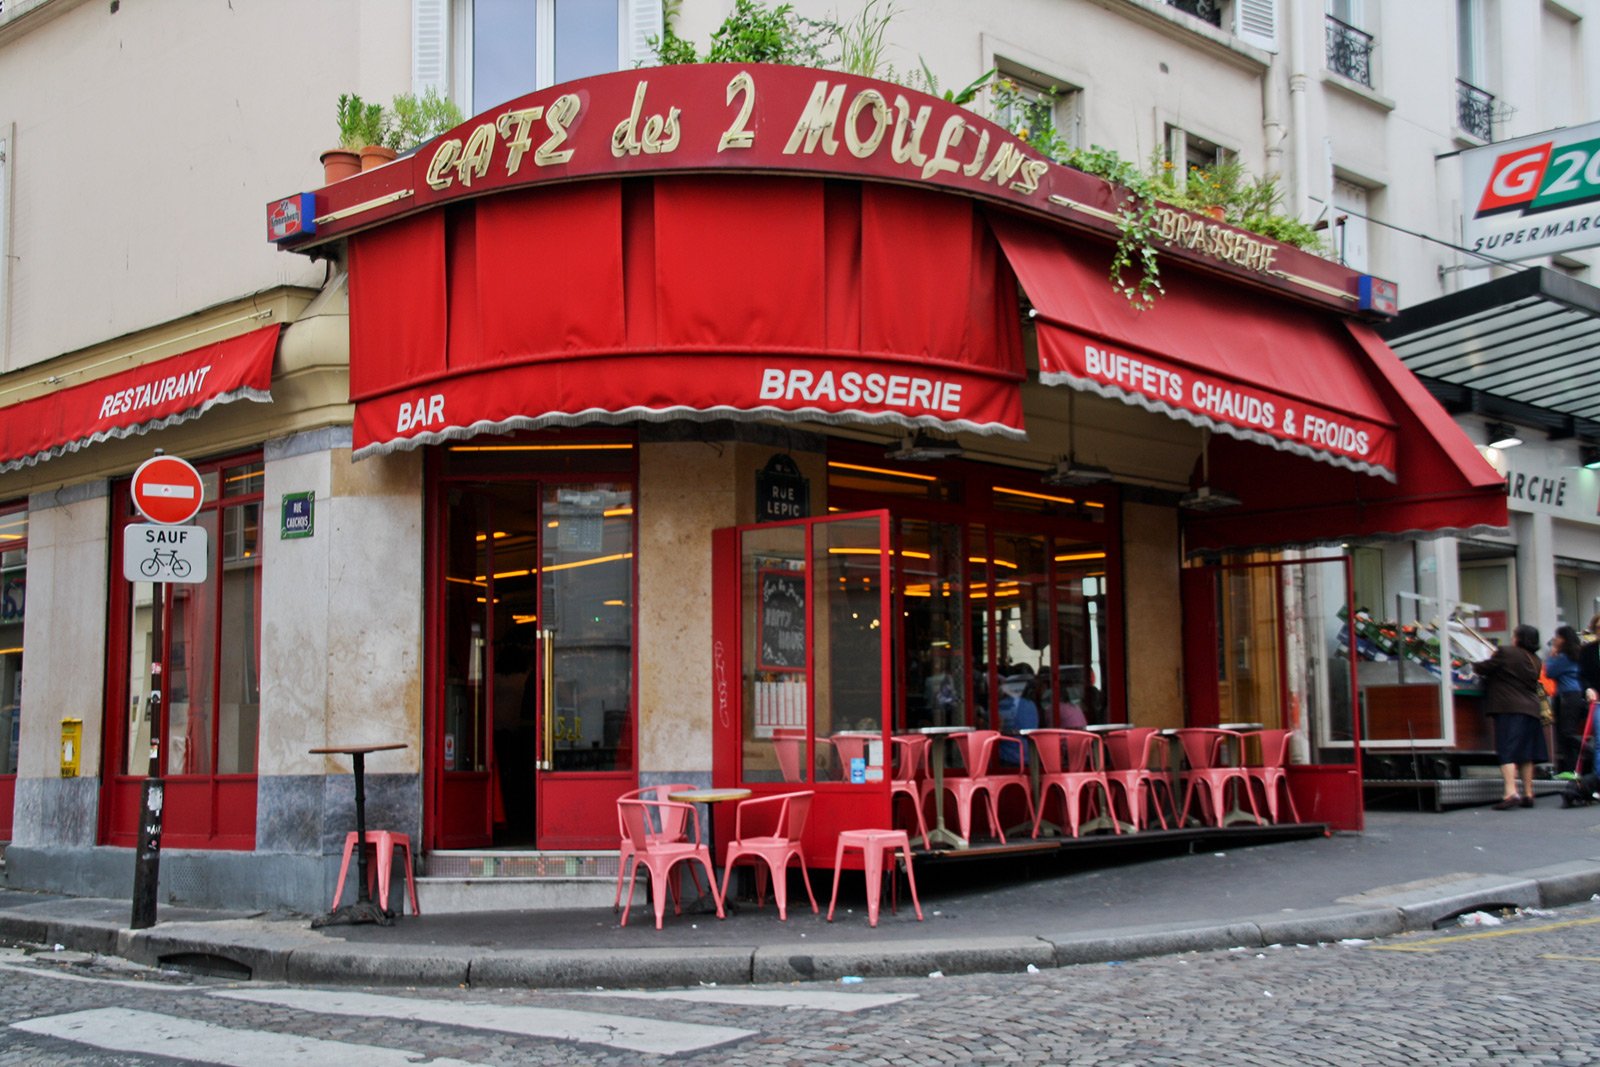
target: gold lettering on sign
558 118
816 122
971 169
866 98
513 127
949 137
656 134
1005 164
444 158
906 147
1188 231
474 162
738 135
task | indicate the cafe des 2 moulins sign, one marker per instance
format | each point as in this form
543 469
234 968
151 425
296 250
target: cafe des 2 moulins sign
770 119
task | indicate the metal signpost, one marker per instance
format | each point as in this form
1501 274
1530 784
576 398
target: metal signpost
168 492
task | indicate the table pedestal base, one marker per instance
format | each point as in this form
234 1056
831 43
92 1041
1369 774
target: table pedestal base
362 911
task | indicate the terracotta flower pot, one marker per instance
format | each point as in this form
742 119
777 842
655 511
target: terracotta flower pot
376 155
339 164
1219 213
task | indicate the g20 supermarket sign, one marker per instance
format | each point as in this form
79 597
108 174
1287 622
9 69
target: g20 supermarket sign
1533 196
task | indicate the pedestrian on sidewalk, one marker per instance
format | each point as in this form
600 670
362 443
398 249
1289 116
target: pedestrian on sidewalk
1510 699
1561 667
1589 674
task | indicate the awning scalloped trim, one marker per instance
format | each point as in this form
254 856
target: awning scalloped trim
1149 403
593 416
117 433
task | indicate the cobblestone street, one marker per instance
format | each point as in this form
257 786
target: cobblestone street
1517 993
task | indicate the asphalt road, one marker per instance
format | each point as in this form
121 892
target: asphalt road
1519 993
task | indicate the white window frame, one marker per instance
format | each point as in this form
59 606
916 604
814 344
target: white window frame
1178 143
442 43
1469 44
1355 209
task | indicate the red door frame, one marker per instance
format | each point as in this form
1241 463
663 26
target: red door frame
1326 792
585 791
8 782
202 811
838 805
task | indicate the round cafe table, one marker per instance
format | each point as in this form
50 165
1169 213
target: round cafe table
710 798
941 735
363 910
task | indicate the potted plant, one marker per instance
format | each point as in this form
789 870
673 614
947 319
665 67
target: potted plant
358 120
415 119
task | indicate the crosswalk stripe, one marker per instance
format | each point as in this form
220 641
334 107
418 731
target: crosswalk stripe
792 1000
153 1034
661 1037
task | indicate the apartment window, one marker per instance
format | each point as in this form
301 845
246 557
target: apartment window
1037 107
1350 213
1474 104
501 49
1349 47
1205 10
1187 151
13 606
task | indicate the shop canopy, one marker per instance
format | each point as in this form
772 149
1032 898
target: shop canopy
150 397
1261 371
694 297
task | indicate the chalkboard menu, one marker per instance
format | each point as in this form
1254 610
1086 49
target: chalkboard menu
781 626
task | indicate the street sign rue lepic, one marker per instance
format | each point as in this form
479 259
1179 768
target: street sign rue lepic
167 491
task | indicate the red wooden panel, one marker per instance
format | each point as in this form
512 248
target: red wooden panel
8 797
580 810
1328 793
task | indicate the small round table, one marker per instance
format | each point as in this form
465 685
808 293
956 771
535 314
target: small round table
710 798
363 910
940 735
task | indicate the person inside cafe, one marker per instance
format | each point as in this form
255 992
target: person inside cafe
1018 711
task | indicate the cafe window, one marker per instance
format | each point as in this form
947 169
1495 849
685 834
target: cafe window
198 712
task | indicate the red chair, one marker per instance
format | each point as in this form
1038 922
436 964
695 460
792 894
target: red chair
874 846
660 856
673 828
1270 774
1137 766
977 749
1207 778
909 776
790 748
381 844
1070 762
849 749
784 816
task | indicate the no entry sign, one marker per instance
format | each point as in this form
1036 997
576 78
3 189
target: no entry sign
167 490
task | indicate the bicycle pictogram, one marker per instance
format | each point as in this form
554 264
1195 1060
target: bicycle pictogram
153 564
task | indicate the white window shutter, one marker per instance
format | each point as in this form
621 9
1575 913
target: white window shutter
430 46
1256 22
644 22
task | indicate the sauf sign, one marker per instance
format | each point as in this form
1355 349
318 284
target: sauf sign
1534 195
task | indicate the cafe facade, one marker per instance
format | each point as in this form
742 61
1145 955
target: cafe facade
659 427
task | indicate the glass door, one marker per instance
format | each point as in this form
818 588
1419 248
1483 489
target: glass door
534 661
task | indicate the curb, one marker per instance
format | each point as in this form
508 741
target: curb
291 953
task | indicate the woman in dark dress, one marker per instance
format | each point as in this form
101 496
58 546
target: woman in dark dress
1510 678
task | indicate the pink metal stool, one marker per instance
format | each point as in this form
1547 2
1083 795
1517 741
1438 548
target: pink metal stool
383 843
874 846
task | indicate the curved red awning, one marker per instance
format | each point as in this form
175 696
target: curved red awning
1444 485
1207 353
705 297
159 394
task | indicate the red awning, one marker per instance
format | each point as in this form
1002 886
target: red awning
1444 487
785 299
159 394
1252 368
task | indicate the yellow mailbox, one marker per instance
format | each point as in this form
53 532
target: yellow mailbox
71 746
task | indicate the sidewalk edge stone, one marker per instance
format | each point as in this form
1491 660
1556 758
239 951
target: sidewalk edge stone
790 963
612 968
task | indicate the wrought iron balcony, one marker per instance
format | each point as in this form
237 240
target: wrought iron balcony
1208 10
1475 110
1349 52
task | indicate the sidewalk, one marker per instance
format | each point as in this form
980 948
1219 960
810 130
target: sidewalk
1406 872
